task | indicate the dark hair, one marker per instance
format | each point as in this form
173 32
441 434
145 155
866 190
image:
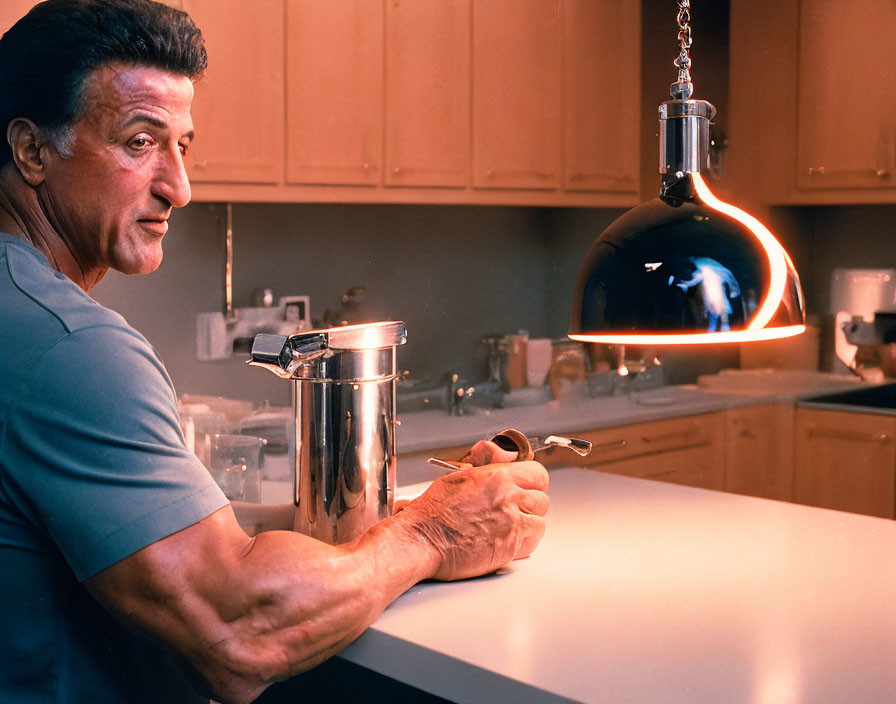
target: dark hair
46 55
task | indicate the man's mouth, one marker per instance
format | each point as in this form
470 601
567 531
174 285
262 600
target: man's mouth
158 226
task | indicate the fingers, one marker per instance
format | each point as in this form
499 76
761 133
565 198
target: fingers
486 452
528 475
534 527
534 502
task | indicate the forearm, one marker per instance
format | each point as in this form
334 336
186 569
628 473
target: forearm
308 607
259 610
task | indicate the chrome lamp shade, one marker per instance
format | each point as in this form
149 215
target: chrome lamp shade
686 268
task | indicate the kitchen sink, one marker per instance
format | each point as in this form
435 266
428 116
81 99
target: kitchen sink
874 397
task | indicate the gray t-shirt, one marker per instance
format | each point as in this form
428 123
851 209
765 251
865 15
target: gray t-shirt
93 467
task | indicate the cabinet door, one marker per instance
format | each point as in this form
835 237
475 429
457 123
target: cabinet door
601 130
11 11
238 106
335 94
686 450
427 93
517 94
846 461
701 467
759 451
847 104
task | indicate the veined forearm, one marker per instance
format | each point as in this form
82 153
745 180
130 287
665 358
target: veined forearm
301 600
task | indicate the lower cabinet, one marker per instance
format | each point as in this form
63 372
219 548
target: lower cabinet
838 460
846 461
686 450
759 451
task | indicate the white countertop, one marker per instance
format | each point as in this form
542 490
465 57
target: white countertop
650 592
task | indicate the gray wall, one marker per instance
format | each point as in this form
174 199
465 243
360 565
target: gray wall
453 274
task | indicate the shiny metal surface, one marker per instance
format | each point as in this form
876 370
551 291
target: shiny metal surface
675 265
684 136
345 456
344 412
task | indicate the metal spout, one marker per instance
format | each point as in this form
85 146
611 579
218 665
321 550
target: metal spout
283 355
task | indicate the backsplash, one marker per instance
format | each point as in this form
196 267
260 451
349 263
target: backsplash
452 273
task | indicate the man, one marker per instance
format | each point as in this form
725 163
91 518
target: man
118 554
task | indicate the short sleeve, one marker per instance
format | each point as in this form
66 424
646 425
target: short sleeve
94 453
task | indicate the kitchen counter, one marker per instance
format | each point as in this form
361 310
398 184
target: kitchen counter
650 592
427 429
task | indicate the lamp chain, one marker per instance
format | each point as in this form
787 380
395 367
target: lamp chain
683 88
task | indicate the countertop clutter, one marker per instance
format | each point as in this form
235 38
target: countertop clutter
651 592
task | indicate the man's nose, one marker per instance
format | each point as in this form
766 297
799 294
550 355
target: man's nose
172 182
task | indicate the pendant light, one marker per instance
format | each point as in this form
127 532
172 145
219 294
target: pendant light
686 267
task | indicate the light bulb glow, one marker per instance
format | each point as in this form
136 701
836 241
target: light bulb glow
686 338
777 256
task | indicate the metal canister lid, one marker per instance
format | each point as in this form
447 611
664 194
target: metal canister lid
364 336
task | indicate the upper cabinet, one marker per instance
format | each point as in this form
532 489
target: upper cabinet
517 85
813 105
427 101
334 99
427 94
847 101
11 11
238 119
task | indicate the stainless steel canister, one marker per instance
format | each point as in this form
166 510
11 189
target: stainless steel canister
344 411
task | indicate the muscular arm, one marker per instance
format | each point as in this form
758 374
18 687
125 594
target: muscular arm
245 612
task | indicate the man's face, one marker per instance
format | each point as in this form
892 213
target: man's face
111 198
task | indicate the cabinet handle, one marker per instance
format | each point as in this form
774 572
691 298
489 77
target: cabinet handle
542 175
612 445
616 178
685 434
822 171
814 430
201 164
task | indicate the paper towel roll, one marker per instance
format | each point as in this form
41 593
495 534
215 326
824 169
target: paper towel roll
538 360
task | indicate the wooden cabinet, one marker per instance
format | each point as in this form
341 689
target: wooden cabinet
238 104
427 94
601 142
813 112
839 460
11 11
517 94
846 461
687 450
847 106
759 451
335 80
424 101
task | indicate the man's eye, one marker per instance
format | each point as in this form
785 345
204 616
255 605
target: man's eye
139 144
184 148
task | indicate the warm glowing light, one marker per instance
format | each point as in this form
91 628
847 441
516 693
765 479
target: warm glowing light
693 338
777 256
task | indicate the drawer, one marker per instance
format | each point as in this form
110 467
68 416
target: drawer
642 439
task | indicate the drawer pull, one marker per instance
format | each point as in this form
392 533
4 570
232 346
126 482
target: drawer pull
685 435
837 434
612 445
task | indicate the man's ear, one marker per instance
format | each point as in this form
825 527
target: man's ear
26 141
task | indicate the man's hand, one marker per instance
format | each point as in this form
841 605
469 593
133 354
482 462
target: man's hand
480 519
